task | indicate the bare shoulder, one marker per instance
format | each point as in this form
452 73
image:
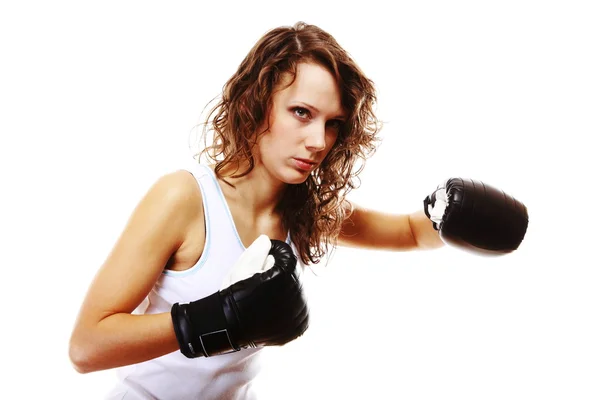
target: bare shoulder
179 195
185 198
178 187
174 199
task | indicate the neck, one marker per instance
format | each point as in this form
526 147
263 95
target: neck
258 190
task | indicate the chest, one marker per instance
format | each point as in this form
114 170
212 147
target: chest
245 226
249 228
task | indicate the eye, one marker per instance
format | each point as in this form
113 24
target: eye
301 112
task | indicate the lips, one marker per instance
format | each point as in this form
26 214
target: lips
304 164
304 160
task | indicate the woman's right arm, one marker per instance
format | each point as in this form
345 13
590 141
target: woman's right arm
106 334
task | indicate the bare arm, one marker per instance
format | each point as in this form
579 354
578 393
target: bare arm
382 231
106 334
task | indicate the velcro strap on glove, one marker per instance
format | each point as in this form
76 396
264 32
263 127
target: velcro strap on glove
201 328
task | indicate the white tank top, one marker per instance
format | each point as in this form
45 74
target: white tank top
174 376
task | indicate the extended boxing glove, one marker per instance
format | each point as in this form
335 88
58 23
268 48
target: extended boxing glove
268 308
477 217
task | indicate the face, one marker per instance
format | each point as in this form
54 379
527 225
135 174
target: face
304 122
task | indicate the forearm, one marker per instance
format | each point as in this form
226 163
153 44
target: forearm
122 339
425 236
371 229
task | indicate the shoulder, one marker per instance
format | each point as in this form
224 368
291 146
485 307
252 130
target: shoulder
176 193
177 185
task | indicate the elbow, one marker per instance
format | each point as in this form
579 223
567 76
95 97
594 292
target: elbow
81 356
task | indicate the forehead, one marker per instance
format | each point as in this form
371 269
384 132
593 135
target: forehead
314 85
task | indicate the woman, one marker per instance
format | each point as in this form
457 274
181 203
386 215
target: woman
290 130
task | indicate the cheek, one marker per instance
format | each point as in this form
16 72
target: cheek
275 142
284 131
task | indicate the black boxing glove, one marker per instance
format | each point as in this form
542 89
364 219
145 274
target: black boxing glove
266 309
477 217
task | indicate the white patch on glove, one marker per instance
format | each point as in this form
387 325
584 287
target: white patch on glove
255 259
436 212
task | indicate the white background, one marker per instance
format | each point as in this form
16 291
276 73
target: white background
98 99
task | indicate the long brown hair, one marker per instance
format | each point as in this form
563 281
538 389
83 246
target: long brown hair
314 210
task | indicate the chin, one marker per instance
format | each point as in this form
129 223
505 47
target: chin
287 174
292 176
296 179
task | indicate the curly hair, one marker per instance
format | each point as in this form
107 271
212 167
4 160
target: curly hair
313 211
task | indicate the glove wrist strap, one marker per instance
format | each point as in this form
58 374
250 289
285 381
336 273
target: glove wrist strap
183 330
201 328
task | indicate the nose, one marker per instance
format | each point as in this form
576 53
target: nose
315 140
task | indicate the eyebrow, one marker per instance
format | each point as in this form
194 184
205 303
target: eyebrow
315 109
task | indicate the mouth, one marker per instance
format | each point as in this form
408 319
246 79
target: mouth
304 164
304 160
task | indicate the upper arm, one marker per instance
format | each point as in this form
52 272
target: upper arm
155 230
377 230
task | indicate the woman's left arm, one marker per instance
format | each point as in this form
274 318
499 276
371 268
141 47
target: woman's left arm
467 214
377 230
